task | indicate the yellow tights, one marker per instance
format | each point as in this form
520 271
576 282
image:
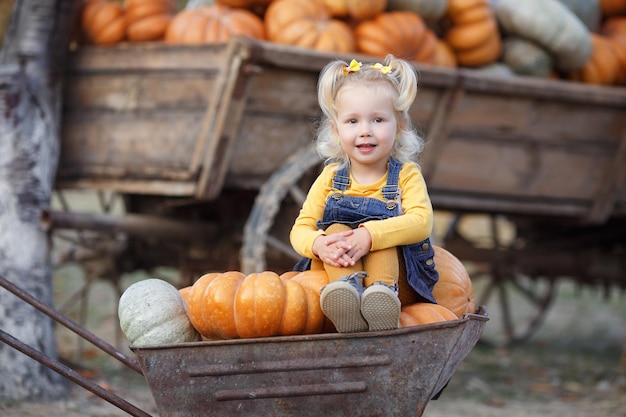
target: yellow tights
381 266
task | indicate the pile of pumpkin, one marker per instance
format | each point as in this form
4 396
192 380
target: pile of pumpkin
582 40
231 305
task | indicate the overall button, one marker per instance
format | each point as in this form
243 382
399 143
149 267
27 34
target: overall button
430 261
425 246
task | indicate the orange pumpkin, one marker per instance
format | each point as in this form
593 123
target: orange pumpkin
308 24
289 274
424 313
474 35
244 4
147 20
619 49
615 28
257 7
444 55
103 22
231 305
613 7
356 9
454 289
428 49
213 23
604 65
401 33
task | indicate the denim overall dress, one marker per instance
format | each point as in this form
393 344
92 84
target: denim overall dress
353 211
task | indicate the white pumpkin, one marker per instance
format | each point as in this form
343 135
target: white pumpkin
550 24
588 11
152 312
526 57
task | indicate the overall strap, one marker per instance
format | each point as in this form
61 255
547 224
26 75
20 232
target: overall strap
391 191
341 179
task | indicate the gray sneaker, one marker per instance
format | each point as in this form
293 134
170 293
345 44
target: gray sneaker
380 307
341 303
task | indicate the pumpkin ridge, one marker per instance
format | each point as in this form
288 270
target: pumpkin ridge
239 282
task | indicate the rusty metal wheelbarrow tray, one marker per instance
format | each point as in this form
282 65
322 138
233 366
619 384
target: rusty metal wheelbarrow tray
386 373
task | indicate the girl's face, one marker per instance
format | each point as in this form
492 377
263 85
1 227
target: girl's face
366 124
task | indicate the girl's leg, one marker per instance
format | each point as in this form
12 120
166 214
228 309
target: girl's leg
380 305
390 269
341 298
382 266
317 265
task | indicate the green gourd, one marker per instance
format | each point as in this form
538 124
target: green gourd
550 24
588 11
525 57
152 312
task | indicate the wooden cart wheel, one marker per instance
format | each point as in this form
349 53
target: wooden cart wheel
517 306
517 302
266 242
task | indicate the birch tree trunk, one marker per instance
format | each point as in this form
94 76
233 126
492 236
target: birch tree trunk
31 65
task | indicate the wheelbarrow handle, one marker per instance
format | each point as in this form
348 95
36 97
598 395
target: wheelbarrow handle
72 375
71 325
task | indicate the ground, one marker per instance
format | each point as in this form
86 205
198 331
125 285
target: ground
570 367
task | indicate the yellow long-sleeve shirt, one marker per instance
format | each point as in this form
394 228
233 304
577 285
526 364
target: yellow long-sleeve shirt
414 225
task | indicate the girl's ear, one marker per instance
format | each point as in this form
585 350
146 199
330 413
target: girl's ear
402 122
333 127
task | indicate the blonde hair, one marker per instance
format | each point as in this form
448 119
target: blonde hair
402 78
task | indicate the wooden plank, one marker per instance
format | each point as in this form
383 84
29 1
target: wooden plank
129 91
543 120
483 166
279 118
612 188
131 119
132 186
438 130
128 143
221 123
265 142
147 56
304 59
283 93
498 204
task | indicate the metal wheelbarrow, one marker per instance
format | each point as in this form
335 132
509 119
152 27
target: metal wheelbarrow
385 373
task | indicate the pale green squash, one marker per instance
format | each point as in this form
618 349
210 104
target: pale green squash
550 24
152 312
588 11
525 57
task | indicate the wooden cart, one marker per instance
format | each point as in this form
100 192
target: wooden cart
210 148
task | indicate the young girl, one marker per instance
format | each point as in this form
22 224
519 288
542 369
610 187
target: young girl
367 218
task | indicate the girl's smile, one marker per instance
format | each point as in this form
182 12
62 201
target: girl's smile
366 148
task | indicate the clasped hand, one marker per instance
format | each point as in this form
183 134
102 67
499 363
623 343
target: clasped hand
344 248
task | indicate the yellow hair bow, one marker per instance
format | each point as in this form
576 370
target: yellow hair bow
354 66
385 69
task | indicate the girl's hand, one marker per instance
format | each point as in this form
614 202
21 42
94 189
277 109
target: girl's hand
332 249
360 242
